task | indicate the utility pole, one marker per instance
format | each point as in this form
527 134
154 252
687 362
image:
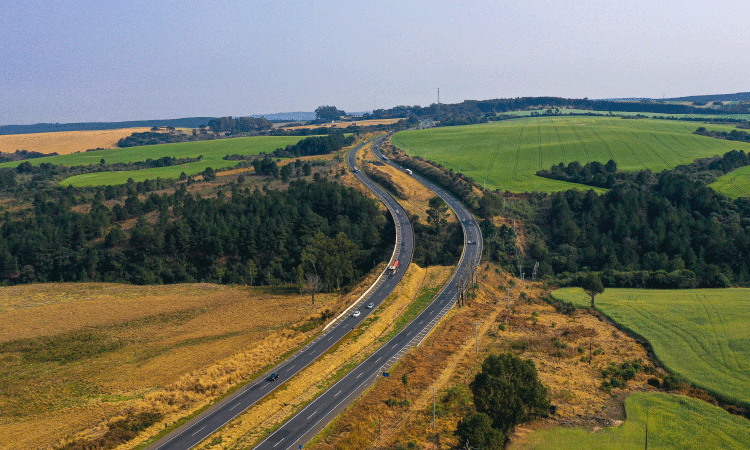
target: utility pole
438 96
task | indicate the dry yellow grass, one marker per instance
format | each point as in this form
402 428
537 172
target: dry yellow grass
181 346
250 426
573 384
65 142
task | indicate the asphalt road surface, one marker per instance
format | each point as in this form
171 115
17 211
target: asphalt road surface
302 427
202 426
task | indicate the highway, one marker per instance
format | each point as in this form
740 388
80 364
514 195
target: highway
302 427
208 422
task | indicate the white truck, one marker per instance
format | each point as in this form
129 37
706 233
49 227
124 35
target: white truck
409 172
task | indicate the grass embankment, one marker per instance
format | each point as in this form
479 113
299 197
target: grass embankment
213 153
508 154
700 334
447 361
674 422
65 142
77 356
258 421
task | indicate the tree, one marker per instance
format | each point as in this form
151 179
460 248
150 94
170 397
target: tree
286 172
592 285
328 113
508 390
437 211
476 430
312 285
405 382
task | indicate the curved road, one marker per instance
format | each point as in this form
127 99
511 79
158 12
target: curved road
208 422
298 430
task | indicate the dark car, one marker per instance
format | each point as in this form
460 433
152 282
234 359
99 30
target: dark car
272 377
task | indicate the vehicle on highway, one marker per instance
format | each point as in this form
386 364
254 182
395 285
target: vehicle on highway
471 242
272 377
370 305
356 170
356 314
408 171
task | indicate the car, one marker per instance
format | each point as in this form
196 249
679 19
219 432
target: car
272 377
370 305
356 314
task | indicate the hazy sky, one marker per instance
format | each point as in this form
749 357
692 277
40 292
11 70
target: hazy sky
76 60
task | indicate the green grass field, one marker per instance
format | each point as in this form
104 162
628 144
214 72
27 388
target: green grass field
674 422
700 334
628 113
507 154
734 184
212 151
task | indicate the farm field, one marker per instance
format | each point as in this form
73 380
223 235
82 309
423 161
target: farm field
674 422
734 184
213 153
96 349
700 334
629 113
506 155
65 142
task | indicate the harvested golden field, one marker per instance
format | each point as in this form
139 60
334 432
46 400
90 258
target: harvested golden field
65 142
77 356
251 426
573 384
359 123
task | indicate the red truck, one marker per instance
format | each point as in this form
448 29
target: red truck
392 268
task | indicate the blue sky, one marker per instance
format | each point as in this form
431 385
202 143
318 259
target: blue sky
75 60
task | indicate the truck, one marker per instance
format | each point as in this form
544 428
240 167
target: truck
409 172
392 268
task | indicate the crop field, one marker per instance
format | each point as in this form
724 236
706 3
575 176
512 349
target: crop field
734 184
506 155
75 355
65 142
674 422
213 153
630 113
700 334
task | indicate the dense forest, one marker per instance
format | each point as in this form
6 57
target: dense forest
273 237
650 230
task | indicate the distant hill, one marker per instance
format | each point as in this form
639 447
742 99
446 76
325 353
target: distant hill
740 96
189 122
287 116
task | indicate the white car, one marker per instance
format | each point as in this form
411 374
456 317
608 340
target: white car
356 314
370 305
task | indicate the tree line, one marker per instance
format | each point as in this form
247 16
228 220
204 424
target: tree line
315 145
255 238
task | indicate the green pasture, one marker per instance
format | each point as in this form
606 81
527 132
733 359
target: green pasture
506 155
212 151
734 184
630 113
700 334
674 422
